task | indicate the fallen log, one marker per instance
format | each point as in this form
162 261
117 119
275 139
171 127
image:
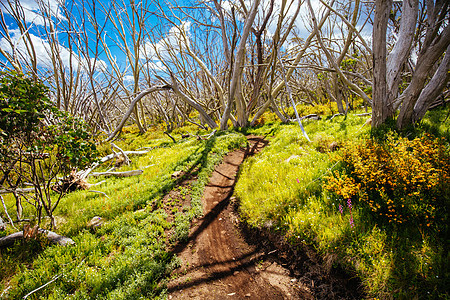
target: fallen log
24 190
2 224
52 237
118 174
85 173
311 116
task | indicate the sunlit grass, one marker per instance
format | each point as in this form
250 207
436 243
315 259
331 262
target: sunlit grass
125 258
281 189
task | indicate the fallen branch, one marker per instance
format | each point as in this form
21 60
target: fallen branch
148 166
98 183
311 116
206 136
127 161
100 193
52 237
42 286
24 190
118 174
363 115
85 173
168 134
336 115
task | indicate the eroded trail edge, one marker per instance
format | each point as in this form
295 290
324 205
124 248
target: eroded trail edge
217 263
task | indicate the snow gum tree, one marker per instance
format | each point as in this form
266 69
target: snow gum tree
38 142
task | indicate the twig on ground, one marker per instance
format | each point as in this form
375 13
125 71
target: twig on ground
98 183
125 156
6 212
92 191
336 115
118 174
168 134
42 286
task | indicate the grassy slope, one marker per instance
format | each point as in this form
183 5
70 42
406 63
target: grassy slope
281 189
127 257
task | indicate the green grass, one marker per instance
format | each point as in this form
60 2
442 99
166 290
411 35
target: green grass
127 257
281 189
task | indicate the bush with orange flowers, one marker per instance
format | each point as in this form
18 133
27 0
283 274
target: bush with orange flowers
397 180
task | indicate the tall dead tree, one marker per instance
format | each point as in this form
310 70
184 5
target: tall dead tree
429 74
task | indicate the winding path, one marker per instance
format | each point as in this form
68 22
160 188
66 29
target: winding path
217 263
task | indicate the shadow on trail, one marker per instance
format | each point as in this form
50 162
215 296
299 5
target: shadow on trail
206 221
243 263
259 143
216 210
227 267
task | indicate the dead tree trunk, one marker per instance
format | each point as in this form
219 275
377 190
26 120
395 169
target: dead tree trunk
381 109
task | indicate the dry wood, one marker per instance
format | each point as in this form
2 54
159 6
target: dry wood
118 174
2 224
85 173
24 190
52 236
42 286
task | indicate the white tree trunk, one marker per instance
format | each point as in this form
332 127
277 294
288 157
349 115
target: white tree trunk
425 62
381 110
402 48
434 88
238 63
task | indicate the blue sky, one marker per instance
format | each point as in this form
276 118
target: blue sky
156 41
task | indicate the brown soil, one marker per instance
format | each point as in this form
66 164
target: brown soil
222 260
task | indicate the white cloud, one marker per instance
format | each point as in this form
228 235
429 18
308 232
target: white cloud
156 65
43 52
128 78
301 23
176 40
35 10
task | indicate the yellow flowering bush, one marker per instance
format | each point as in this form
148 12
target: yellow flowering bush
397 180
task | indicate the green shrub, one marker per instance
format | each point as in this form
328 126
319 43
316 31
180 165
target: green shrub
397 180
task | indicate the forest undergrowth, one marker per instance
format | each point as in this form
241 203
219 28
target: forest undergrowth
376 207
374 203
127 256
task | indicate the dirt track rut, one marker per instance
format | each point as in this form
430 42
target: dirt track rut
217 263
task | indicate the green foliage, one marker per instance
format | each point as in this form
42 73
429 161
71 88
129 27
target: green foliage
37 141
30 122
282 189
127 256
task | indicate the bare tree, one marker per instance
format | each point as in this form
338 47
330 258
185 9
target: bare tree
428 76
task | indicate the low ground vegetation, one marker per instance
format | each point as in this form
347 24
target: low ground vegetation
376 206
126 255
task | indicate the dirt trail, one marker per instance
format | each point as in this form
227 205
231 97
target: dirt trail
217 263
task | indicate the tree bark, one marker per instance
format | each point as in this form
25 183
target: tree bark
425 62
433 88
402 48
381 109
192 103
238 63
132 107
52 236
